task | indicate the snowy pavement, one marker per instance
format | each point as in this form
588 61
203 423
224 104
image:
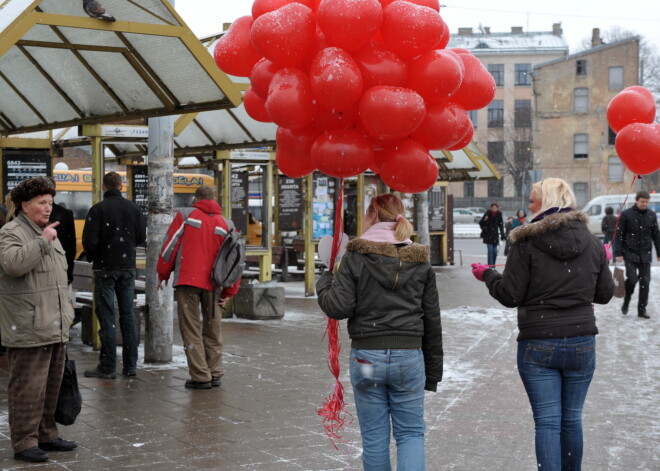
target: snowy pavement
264 415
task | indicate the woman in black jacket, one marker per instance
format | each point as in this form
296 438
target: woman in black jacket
386 288
554 272
492 231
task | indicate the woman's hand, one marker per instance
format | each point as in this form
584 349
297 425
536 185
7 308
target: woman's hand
478 270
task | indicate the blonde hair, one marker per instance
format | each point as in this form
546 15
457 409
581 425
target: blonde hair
389 208
554 193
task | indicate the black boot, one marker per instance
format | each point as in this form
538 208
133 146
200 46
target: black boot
641 312
624 306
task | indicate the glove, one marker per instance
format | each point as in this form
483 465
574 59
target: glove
608 252
478 270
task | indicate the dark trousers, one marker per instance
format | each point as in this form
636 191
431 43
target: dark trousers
35 376
638 272
108 284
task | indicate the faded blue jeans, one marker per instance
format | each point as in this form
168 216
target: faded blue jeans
108 284
389 385
492 253
557 374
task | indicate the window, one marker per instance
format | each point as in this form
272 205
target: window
497 71
580 146
581 193
611 136
522 152
523 74
581 67
616 78
496 152
473 117
522 117
581 100
614 169
496 114
468 189
496 188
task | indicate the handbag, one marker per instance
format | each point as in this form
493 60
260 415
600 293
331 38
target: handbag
69 402
619 282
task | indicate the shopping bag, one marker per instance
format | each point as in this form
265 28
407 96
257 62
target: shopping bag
619 282
69 401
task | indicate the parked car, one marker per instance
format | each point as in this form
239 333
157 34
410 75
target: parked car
465 216
477 210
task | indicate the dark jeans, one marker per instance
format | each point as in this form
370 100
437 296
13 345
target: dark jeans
492 253
638 272
557 374
108 284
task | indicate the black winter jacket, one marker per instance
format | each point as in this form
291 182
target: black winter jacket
490 226
554 272
389 295
113 229
636 235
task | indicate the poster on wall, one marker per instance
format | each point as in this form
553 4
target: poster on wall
140 187
239 201
323 205
19 165
290 202
437 208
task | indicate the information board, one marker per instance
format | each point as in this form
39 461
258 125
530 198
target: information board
437 208
323 205
140 187
239 201
290 202
19 165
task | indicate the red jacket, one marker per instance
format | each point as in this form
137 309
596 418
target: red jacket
190 249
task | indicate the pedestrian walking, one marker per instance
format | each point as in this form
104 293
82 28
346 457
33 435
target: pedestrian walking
386 288
555 271
608 224
508 227
190 249
113 230
637 233
492 231
35 317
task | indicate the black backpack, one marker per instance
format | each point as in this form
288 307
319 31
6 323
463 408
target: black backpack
230 262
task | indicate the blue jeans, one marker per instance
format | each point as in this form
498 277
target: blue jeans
389 384
492 253
557 374
108 284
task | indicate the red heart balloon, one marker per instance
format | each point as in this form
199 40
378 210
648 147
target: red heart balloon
342 153
436 75
465 140
234 53
259 7
380 66
391 112
409 30
284 36
349 24
444 125
435 4
255 106
261 75
335 79
631 105
292 154
478 87
289 103
638 146
407 167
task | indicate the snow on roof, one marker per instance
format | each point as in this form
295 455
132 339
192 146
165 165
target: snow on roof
498 43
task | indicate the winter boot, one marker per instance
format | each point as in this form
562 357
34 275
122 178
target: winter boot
641 312
624 306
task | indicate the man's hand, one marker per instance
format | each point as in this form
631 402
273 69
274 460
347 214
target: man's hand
49 232
222 301
160 284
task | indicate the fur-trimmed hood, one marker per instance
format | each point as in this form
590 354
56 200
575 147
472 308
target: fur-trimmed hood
391 265
561 235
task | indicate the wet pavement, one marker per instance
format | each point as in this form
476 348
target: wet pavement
263 417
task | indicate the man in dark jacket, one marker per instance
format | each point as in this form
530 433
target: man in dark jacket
113 229
637 233
66 232
491 224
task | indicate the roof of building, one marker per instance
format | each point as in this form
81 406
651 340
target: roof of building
512 43
586 52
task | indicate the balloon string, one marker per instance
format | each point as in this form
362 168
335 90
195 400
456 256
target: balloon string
333 410
623 205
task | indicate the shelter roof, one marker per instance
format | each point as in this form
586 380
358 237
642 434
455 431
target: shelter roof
59 67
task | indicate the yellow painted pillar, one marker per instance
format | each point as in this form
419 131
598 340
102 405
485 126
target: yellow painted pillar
309 246
97 196
266 261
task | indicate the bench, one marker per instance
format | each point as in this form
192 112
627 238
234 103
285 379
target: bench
299 250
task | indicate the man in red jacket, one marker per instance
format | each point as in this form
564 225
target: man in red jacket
191 246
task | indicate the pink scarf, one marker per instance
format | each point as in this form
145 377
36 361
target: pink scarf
383 232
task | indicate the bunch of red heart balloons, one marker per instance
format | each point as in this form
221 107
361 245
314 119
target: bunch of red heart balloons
357 84
631 114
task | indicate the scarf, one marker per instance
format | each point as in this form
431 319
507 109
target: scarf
550 211
383 232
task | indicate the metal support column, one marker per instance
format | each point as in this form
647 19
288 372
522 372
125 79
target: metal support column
309 246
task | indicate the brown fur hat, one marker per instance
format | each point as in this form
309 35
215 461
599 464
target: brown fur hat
28 189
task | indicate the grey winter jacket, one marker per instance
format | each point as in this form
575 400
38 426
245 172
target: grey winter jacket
35 308
554 272
389 295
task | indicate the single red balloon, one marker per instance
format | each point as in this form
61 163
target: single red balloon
261 75
435 4
349 24
391 112
460 50
444 37
284 36
444 126
342 153
638 146
465 140
409 30
289 103
436 75
259 7
255 106
408 167
335 79
380 66
631 105
478 87
234 53
292 153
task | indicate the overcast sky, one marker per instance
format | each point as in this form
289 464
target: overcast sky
578 17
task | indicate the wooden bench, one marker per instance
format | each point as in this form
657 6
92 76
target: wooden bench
299 250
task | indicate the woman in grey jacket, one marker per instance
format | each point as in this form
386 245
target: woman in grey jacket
386 288
35 317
